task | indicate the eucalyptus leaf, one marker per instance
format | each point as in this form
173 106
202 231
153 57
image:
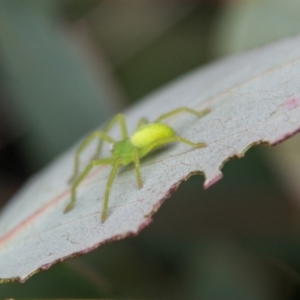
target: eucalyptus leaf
254 98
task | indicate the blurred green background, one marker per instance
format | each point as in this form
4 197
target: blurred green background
66 66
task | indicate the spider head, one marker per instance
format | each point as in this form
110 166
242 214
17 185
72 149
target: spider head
123 149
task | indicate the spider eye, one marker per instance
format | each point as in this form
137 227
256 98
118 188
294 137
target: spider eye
111 147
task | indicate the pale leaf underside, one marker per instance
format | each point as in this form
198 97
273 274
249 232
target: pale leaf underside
254 98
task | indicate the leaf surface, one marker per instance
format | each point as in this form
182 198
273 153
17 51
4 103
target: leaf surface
254 98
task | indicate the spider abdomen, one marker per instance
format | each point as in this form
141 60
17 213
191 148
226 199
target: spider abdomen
147 134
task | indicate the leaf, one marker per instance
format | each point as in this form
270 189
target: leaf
254 98
242 22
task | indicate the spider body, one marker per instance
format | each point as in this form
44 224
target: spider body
146 138
147 134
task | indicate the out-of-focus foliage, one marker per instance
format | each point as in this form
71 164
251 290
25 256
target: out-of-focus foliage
49 79
248 24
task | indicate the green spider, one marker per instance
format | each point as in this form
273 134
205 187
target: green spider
146 138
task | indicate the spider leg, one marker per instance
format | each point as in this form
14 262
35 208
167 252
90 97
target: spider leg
136 160
112 175
101 135
118 118
141 122
107 161
111 178
182 109
169 140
